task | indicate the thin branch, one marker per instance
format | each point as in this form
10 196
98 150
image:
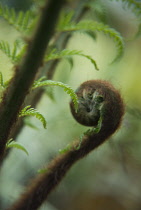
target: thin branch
25 73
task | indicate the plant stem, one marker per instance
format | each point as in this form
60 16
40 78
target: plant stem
45 183
111 115
25 73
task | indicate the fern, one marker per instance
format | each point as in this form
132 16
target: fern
67 89
135 7
2 83
68 54
14 54
27 111
11 143
21 20
98 9
95 26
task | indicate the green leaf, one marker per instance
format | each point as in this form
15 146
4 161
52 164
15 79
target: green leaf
96 26
16 145
99 9
27 111
135 7
66 88
15 54
42 171
22 21
68 54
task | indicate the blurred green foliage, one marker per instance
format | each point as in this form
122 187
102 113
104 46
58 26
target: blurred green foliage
109 178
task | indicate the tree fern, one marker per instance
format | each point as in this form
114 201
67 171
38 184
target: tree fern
14 54
68 54
67 88
21 20
27 111
95 26
12 144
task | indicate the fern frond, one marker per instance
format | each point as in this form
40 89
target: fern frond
133 5
67 54
100 27
5 48
14 54
11 143
21 20
66 88
65 19
2 83
27 111
98 9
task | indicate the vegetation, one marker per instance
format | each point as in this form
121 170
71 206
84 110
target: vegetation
41 56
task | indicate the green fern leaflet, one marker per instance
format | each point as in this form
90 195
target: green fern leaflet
67 88
27 111
14 54
95 26
68 54
13 144
22 21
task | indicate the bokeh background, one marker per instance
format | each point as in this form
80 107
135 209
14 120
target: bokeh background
110 177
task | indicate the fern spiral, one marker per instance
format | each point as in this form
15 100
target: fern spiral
98 99
105 102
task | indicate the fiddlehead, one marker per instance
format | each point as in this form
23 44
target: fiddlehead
97 100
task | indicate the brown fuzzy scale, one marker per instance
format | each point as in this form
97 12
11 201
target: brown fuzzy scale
112 113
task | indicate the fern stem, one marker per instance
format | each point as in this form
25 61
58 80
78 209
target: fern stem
25 73
113 110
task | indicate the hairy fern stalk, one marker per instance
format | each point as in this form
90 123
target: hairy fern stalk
34 56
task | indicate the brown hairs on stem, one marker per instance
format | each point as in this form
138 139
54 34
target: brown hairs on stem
97 99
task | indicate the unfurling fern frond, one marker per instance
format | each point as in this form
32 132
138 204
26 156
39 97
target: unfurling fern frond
96 26
68 54
21 20
11 143
27 111
66 88
14 54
